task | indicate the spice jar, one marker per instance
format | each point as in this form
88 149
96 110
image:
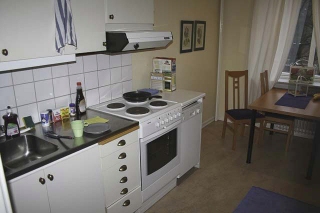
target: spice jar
72 107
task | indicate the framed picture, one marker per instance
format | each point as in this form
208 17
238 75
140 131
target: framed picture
186 36
199 35
301 74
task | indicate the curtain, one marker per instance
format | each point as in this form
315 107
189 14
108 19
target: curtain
263 41
316 23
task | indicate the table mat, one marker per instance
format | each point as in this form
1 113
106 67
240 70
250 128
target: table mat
289 100
94 120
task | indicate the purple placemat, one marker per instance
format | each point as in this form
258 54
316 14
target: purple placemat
288 100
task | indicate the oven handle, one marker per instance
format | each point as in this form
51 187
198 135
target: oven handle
161 132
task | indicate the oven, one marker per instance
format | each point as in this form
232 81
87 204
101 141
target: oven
160 153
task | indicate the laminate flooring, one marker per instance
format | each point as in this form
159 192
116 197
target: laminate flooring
224 178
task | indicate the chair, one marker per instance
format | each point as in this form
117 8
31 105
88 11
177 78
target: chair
237 115
272 118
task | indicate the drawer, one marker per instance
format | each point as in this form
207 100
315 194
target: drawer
127 204
122 156
113 185
118 143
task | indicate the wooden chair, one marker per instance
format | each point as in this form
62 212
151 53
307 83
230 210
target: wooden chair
237 115
272 118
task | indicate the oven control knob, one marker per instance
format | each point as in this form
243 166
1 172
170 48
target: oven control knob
170 118
162 122
198 111
166 120
174 116
179 114
157 124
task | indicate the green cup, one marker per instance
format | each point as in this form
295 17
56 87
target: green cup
77 127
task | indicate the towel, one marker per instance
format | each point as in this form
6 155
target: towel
65 31
94 120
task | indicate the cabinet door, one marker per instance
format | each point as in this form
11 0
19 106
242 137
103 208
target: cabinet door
129 11
89 24
28 195
27 29
76 183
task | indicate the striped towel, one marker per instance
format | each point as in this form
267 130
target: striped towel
65 31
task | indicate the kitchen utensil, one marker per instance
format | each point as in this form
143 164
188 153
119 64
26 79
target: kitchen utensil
139 96
77 127
97 128
56 136
152 91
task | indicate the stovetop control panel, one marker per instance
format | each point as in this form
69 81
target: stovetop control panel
161 122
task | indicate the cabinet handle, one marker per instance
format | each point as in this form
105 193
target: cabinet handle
123 168
111 16
104 44
124 180
50 177
136 46
5 52
124 191
122 143
42 181
123 155
126 203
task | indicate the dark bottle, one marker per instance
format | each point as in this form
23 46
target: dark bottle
12 129
80 101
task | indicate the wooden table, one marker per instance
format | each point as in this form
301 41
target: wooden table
266 103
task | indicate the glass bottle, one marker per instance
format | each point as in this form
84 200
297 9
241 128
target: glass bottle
11 124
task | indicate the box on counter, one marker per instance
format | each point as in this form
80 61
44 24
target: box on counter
156 81
164 65
169 82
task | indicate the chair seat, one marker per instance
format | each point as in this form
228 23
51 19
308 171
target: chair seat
242 114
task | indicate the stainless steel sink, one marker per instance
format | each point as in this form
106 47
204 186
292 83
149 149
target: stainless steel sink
20 151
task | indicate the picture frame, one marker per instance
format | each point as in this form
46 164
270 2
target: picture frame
301 74
199 35
186 36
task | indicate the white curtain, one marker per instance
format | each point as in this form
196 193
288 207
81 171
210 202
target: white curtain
316 22
264 37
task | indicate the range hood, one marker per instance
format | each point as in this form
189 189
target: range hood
117 41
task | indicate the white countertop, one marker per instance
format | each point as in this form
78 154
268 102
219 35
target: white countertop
184 97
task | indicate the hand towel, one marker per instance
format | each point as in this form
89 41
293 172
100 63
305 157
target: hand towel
94 120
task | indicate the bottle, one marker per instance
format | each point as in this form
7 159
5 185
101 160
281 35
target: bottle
12 129
72 107
80 101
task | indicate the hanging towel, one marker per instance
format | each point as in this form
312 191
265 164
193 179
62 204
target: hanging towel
65 31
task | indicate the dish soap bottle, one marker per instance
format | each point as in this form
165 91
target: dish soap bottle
80 101
11 125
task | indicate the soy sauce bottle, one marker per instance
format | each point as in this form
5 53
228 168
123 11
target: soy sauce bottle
11 125
80 101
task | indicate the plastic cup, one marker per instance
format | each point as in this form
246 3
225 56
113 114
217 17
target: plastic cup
77 128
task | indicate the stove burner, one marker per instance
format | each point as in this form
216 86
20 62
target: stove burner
116 106
138 111
158 103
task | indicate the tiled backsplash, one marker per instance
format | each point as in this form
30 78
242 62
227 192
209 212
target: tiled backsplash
32 91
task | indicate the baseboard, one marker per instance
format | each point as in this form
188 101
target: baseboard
207 122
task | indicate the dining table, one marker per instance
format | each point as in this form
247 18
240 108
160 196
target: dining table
267 103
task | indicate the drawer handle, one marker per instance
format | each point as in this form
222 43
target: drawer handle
123 155
123 168
124 180
122 143
126 203
42 181
5 52
124 191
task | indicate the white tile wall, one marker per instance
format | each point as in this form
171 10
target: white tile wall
32 91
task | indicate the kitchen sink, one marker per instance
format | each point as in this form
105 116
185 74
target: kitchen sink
18 152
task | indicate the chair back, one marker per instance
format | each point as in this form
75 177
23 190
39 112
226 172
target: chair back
264 82
235 94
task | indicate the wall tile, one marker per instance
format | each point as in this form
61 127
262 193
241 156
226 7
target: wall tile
104 77
28 110
126 59
115 61
47 104
25 94
63 101
126 73
115 75
61 86
105 94
77 67
44 90
92 97
73 82
60 71
42 73
22 77
91 80
6 80
116 91
103 61
126 86
90 63
7 98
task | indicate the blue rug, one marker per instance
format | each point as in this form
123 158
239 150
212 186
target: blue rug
260 200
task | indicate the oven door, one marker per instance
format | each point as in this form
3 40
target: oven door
159 155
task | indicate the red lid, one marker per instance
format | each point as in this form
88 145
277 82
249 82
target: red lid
78 83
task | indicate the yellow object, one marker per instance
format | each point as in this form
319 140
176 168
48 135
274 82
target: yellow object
64 112
94 120
316 96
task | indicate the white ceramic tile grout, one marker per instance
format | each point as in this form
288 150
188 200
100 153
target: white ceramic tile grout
104 90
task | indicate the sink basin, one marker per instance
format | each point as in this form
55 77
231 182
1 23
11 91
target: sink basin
20 151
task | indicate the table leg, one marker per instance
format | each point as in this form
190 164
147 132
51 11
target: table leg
315 146
252 127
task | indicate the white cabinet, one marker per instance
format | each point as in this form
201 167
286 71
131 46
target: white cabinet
72 184
27 29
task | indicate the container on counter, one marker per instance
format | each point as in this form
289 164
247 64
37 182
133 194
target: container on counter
50 115
72 107
11 124
80 101
44 117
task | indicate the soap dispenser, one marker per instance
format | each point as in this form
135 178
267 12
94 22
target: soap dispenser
11 125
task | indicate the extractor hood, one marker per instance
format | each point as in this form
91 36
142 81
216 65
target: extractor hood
117 41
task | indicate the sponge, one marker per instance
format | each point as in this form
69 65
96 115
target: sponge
28 122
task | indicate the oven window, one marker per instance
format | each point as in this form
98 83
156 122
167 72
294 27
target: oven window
161 151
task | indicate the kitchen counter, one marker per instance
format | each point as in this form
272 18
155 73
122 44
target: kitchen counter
184 97
117 127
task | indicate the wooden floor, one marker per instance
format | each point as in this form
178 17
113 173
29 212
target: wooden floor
224 177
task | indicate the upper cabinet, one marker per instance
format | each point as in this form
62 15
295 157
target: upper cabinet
27 29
